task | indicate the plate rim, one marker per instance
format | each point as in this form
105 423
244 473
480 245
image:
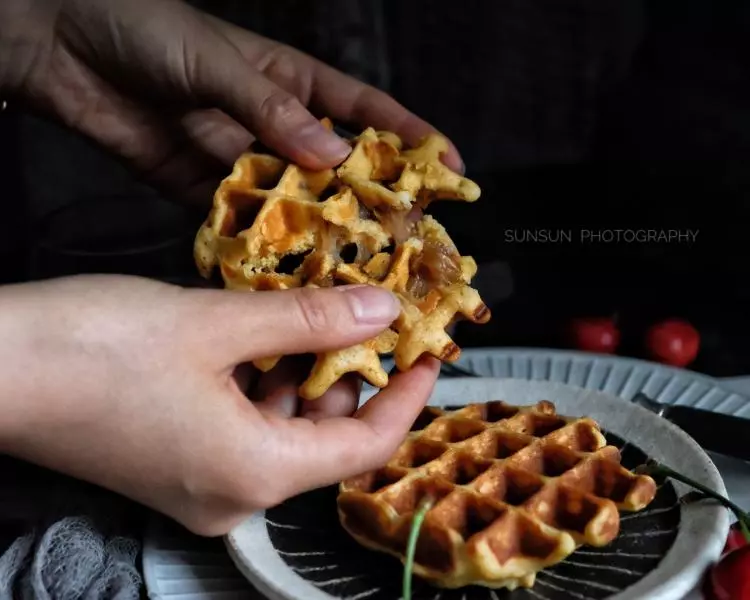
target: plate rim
677 374
677 584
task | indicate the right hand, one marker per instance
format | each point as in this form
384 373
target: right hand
137 386
178 94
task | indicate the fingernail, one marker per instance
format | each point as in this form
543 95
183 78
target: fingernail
372 305
327 146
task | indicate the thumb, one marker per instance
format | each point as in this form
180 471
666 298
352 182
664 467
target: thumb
245 326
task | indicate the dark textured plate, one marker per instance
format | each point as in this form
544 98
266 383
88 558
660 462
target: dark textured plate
299 551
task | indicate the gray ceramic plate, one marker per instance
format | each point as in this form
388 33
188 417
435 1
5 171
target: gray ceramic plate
618 375
297 551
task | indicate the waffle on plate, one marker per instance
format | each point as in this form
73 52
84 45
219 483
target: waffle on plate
515 489
275 226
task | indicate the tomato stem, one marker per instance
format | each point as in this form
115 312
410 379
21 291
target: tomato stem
655 468
411 546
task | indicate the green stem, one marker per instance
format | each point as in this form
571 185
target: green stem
744 529
654 468
411 546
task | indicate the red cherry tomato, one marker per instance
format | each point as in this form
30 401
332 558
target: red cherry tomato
729 579
595 335
735 539
674 342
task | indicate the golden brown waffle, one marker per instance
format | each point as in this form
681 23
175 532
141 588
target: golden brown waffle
516 489
275 226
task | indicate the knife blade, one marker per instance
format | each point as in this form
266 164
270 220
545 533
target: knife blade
714 431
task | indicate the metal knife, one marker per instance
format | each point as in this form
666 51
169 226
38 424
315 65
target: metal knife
715 432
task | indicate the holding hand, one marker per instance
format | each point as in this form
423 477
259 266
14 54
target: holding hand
138 386
179 94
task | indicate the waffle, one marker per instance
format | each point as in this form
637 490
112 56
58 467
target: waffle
276 226
515 490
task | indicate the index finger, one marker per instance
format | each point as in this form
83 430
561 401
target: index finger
330 450
338 96
346 99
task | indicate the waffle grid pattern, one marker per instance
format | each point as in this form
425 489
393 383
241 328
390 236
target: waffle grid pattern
515 490
276 226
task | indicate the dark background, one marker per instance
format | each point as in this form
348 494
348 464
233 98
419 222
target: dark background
569 114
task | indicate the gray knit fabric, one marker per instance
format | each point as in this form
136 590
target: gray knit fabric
70 560
65 540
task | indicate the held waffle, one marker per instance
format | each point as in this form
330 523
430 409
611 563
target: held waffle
515 490
275 226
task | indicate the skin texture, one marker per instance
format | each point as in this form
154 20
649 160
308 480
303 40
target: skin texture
178 94
139 387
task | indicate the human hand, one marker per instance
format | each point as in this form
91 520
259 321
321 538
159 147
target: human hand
137 386
179 94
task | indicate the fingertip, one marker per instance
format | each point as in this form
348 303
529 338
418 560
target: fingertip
427 363
286 126
340 400
246 327
425 369
319 147
416 132
371 305
454 161
394 409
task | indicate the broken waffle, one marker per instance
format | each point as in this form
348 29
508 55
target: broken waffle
514 490
275 226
